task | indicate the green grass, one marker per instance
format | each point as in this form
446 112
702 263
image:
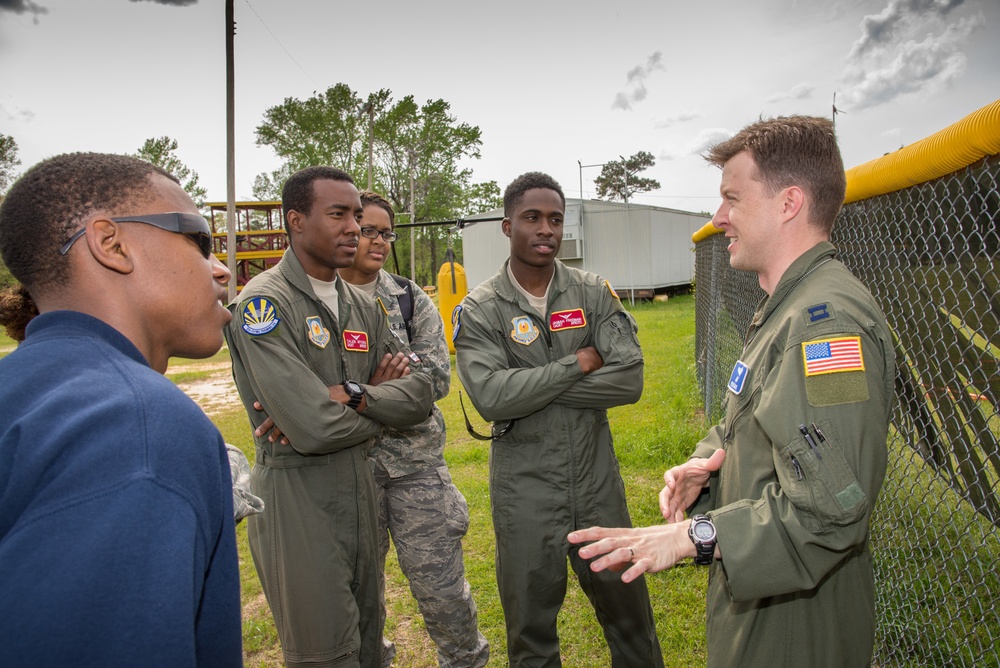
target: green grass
650 436
7 344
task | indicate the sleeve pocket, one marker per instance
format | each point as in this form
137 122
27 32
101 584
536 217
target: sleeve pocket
821 483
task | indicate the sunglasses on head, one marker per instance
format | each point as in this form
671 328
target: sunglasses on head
191 225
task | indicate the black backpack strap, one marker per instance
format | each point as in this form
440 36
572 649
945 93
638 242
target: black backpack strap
405 302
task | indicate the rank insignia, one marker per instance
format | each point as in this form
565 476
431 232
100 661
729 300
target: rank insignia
571 319
739 376
356 342
260 316
524 331
318 334
842 353
817 313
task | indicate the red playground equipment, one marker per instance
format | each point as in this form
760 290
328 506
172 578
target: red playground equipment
260 236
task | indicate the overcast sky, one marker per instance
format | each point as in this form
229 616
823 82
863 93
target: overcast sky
549 83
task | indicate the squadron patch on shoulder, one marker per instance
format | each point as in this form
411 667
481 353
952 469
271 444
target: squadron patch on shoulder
456 321
524 331
569 319
817 313
834 355
612 290
356 342
319 335
738 377
260 316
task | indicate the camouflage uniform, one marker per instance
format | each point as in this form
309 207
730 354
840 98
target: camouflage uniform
417 503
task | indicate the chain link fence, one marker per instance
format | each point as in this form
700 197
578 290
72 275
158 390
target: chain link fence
929 254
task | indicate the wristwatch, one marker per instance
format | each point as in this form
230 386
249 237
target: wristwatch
702 534
356 391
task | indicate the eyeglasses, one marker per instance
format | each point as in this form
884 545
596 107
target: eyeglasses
191 225
371 233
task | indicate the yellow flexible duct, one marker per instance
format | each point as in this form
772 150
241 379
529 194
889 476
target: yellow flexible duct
958 145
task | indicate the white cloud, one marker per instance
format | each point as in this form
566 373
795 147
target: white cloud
24 6
706 139
22 115
635 82
682 117
930 64
802 91
898 15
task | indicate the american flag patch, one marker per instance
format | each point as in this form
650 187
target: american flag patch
833 355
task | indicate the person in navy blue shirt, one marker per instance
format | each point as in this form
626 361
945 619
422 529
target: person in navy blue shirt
117 537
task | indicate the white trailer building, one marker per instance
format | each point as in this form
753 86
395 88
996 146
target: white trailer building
638 248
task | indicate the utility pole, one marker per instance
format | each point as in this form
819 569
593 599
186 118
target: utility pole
230 150
413 229
370 108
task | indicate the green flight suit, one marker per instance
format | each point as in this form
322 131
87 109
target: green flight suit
555 471
315 545
795 584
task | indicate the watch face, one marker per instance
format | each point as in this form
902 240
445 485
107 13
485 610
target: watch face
704 531
352 387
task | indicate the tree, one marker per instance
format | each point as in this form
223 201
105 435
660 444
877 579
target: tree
8 161
413 143
325 129
619 180
160 152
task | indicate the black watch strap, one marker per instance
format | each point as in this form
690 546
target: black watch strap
356 391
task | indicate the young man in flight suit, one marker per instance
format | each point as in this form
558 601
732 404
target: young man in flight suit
788 481
543 351
318 356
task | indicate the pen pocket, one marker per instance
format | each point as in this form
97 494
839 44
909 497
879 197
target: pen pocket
822 485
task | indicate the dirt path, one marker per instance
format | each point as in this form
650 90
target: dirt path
215 393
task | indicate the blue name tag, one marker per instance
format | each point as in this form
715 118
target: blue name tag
738 377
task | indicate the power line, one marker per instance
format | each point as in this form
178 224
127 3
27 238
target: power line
279 43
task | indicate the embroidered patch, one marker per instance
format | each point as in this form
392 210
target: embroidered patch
355 341
260 316
571 319
612 290
834 355
318 334
739 376
456 321
524 331
817 313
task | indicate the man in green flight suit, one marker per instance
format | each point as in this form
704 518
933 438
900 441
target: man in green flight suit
317 355
788 481
544 350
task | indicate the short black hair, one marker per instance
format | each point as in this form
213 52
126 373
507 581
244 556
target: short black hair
369 198
54 198
514 193
297 193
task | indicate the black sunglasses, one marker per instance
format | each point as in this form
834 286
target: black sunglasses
191 225
371 233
